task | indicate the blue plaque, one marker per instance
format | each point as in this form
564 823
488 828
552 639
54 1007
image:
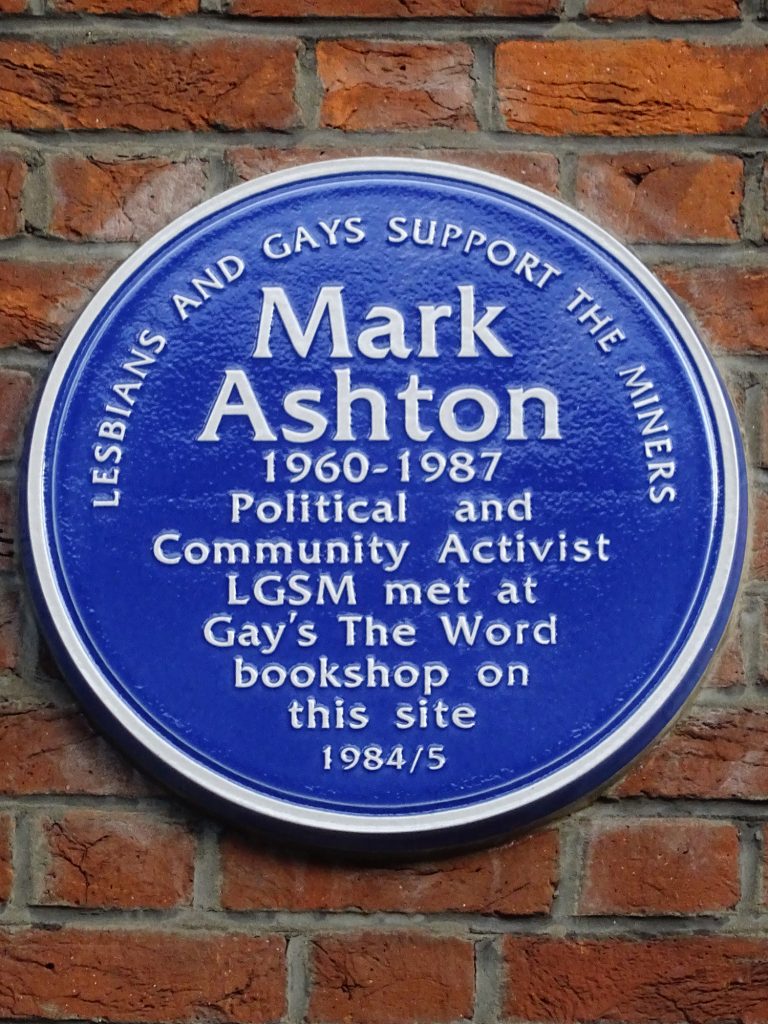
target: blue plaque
384 504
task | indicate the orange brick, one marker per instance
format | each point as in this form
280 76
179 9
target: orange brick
42 300
148 86
629 86
395 86
665 10
122 201
663 197
13 172
539 170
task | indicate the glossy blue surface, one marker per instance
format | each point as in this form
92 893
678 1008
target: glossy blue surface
621 622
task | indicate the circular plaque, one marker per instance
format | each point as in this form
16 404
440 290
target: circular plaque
385 504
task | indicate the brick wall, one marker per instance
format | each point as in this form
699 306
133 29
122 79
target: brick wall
119 902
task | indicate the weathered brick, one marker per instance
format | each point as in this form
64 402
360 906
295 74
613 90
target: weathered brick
660 867
395 86
7 525
762 632
141 976
629 87
718 754
656 981
727 666
16 388
6 857
124 200
41 300
539 170
665 10
13 172
390 979
10 632
56 751
518 878
663 197
730 304
763 456
395 8
148 86
94 859
736 381
162 8
759 563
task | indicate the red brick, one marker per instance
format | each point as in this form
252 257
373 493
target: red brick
539 170
6 857
41 300
658 981
163 8
122 201
16 388
398 978
13 6
141 976
395 8
719 754
660 867
7 527
518 878
10 632
395 86
56 751
663 197
13 172
148 86
665 10
730 304
629 87
94 859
